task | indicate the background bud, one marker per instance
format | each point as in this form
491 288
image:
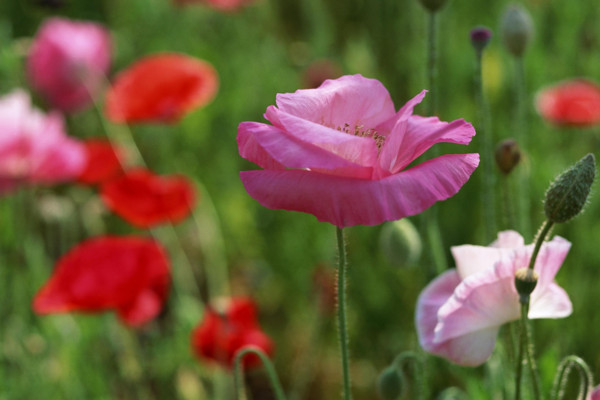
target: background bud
508 155
516 29
480 37
400 243
433 5
389 384
567 195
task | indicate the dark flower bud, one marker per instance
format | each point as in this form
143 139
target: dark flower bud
389 384
433 5
507 155
567 195
400 243
517 29
525 281
480 37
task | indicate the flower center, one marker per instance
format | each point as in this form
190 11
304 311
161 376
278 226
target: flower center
359 130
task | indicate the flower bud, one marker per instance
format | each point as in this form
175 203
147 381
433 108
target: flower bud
525 281
567 195
480 37
507 155
400 243
389 384
433 5
517 29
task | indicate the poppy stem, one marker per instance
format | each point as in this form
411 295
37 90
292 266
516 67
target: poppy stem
342 328
541 236
523 207
431 62
509 214
562 376
269 368
403 360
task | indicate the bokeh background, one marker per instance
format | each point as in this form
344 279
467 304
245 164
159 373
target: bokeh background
258 51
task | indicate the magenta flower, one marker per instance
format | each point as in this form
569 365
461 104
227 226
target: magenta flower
595 395
33 146
68 61
341 152
459 313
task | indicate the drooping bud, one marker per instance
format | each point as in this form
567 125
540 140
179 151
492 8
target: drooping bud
525 281
433 5
517 29
480 37
567 195
389 384
400 243
508 155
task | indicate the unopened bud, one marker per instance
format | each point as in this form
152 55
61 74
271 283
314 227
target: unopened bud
400 243
508 155
525 281
516 29
433 5
389 384
480 37
567 195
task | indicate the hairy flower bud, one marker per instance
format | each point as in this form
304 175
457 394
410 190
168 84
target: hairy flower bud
480 37
567 195
433 5
525 281
400 243
517 29
508 155
389 384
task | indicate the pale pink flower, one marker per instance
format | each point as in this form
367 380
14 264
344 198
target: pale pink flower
459 313
595 395
33 146
341 152
68 61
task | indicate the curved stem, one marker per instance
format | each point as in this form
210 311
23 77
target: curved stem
401 360
342 328
543 232
269 368
564 369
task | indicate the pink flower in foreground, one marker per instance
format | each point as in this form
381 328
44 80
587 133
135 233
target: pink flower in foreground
68 61
595 395
341 152
459 313
570 103
33 146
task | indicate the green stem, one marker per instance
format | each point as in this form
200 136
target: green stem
522 340
431 62
543 232
401 360
269 368
520 129
342 328
564 369
486 151
509 215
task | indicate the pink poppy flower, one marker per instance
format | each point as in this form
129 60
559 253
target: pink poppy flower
68 61
571 103
34 148
128 274
341 152
595 395
460 312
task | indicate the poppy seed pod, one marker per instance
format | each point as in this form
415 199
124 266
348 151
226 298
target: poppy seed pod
516 29
567 195
525 282
433 5
400 243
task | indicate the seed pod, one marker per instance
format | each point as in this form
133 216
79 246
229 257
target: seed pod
516 29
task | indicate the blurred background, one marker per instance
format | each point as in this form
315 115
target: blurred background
286 260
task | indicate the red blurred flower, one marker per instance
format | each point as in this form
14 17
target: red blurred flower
68 61
161 88
570 103
145 199
103 162
221 5
221 335
129 274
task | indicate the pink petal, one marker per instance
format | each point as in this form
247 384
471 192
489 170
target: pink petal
266 143
551 302
550 258
345 201
356 149
352 99
508 240
403 113
484 300
408 140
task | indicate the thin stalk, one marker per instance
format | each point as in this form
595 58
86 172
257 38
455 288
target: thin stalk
342 328
564 369
523 207
522 340
509 215
488 179
419 367
546 227
269 368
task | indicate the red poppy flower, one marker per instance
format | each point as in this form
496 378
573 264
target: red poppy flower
221 5
103 162
145 199
570 103
161 88
129 274
221 335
